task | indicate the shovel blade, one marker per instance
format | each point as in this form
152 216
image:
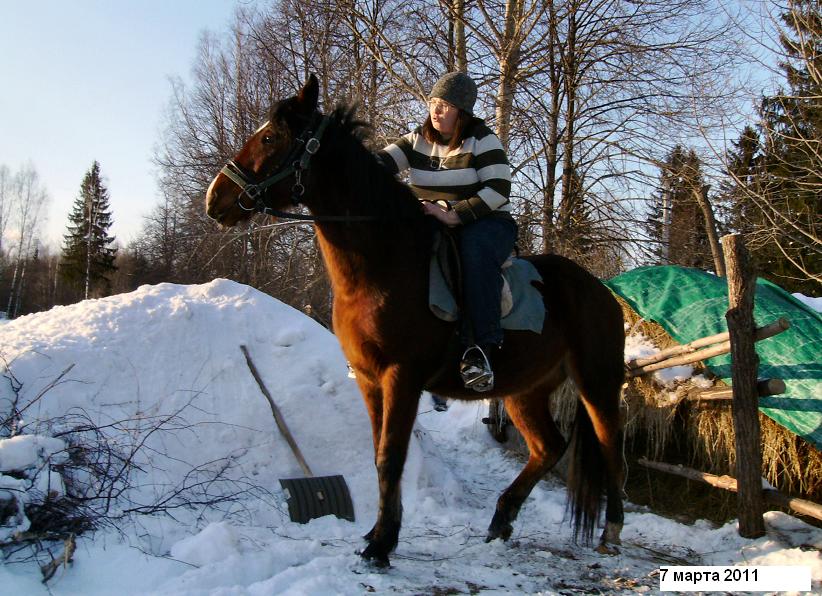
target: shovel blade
317 496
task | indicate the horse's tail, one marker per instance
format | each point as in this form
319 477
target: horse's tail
586 477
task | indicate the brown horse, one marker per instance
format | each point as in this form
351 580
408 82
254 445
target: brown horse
376 245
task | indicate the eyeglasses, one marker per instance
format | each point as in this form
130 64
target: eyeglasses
438 105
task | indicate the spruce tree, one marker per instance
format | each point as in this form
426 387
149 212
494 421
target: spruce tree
675 223
786 240
738 191
88 255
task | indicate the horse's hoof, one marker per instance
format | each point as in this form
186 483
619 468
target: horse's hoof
607 549
375 557
610 535
499 530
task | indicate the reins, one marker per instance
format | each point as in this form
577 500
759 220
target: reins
295 163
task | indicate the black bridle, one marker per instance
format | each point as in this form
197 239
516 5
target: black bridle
296 161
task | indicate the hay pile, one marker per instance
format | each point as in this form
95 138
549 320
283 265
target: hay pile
701 434
668 424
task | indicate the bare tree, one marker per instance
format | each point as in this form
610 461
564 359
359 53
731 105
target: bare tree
28 200
6 183
587 95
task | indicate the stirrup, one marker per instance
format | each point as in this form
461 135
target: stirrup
475 370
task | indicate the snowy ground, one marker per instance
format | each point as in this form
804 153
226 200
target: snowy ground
161 368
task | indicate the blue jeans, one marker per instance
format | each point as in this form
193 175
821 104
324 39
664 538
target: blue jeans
484 246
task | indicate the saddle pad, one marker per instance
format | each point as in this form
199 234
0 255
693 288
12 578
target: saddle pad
527 309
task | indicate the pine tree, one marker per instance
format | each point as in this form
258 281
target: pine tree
88 255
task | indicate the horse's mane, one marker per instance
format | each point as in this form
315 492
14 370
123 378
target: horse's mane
377 189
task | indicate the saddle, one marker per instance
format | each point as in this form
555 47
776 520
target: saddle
521 303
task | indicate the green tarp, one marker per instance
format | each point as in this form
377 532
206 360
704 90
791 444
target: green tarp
690 304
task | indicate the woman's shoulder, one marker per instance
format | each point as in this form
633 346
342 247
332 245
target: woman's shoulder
479 129
414 135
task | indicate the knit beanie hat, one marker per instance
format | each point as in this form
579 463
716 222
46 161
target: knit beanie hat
456 88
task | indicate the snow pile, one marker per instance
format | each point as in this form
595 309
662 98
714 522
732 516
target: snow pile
160 374
26 476
167 360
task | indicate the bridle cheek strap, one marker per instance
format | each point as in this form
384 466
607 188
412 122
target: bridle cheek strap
256 191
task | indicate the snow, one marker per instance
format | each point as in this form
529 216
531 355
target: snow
161 370
26 451
814 303
639 346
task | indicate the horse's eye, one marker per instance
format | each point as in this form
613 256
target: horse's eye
268 139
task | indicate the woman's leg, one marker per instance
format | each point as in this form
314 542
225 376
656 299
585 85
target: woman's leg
484 246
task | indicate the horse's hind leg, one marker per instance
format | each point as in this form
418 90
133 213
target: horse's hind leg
531 415
600 394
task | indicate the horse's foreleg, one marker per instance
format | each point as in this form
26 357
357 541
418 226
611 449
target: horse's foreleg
530 414
399 412
372 395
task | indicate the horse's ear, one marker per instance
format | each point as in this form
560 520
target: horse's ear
309 94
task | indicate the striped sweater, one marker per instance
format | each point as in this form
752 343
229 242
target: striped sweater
475 178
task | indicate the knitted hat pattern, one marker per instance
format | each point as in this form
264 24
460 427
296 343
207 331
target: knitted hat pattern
458 89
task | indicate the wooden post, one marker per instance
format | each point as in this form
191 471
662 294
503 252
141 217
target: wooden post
744 367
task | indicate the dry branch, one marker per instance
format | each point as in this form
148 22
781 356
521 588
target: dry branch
766 331
49 569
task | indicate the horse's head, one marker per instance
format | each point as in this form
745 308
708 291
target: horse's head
264 167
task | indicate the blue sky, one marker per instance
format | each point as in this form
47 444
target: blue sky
89 79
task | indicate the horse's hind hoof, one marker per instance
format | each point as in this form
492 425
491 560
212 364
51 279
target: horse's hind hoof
497 529
607 549
610 538
372 555
611 533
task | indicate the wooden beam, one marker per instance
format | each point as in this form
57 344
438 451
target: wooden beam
764 332
725 482
764 387
745 404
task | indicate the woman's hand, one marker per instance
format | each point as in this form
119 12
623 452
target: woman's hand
449 218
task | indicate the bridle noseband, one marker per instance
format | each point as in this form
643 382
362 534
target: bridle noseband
295 162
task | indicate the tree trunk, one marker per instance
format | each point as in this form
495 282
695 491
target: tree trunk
508 69
460 53
741 288
552 149
701 196
569 190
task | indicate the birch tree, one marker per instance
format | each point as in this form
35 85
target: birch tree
27 210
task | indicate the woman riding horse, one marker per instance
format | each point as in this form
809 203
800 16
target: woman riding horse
375 242
454 157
